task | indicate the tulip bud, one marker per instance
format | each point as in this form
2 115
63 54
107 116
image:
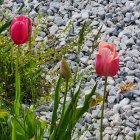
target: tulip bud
65 70
20 29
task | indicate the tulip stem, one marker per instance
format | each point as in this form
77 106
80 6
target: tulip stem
17 86
29 34
102 110
65 95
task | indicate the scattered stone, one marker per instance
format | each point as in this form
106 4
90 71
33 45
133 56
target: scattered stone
53 29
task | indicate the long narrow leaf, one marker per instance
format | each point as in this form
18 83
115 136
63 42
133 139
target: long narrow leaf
56 104
81 36
1 2
80 111
96 38
5 26
67 115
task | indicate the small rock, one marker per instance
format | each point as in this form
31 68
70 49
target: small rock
85 15
134 53
53 29
107 137
124 102
58 21
39 38
136 109
77 16
111 99
116 119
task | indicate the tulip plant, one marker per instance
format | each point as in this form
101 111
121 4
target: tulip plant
106 64
71 113
20 28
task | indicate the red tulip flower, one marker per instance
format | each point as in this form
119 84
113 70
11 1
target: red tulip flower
106 60
20 28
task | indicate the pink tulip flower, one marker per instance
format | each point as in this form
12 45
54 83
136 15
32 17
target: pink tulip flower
106 60
19 29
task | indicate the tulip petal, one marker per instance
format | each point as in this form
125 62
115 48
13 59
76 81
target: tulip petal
110 46
98 64
113 67
19 32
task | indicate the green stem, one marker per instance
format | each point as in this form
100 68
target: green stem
17 86
102 110
65 95
29 34
63 109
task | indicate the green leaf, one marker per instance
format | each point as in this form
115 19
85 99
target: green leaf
137 137
56 104
29 122
95 39
61 130
81 110
40 129
3 114
5 26
20 8
81 36
18 132
1 2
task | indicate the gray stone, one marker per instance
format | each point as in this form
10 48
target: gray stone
84 60
130 65
129 124
43 118
50 12
116 108
32 14
127 130
88 118
105 122
58 21
136 109
128 137
42 108
42 34
111 99
107 137
94 23
43 9
130 79
101 14
53 29
117 121
108 130
130 42
39 38
56 4
77 16
124 102
134 53
85 49
85 15
120 137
